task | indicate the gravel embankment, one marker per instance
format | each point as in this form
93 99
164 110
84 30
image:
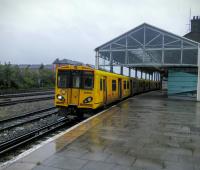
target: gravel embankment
18 109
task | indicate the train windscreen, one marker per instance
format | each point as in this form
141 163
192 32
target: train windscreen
63 78
75 79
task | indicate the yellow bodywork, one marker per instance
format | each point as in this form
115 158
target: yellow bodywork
102 92
106 95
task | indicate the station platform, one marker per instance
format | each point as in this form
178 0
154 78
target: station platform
145 132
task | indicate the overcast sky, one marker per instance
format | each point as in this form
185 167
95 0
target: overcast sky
39 31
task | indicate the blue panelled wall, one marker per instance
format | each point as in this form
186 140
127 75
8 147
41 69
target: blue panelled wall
182 83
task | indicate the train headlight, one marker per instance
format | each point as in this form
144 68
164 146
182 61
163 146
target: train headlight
60 97
87 100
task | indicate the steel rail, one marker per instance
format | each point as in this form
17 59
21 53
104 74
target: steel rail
7 103
27 114
20 91
6 96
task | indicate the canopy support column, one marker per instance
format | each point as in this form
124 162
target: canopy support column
129 72
121 70
135 72
111 61
97 60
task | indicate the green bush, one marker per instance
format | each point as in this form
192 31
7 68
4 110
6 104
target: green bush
12 77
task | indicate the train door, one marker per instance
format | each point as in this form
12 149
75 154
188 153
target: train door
75 90
74 96
104 90
120 88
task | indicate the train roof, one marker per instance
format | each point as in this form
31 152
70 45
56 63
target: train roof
84 67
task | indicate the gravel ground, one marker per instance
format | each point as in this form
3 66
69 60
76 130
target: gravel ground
18 109
26 97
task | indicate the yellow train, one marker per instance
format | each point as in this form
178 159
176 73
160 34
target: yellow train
82 88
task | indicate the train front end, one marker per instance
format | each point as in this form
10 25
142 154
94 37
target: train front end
74 88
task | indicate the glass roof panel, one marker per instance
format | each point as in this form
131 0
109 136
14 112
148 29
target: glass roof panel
132 44
175 44
169 39
121 41
119 56
156 43
188 45
138 35
117 46
190 56
135 57
172 57
106 47
105 55
155 56
150 35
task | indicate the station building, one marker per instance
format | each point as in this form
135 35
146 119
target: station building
157 55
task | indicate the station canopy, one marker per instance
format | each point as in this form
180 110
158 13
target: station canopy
148 46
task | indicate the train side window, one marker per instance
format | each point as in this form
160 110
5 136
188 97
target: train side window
113 85
101 84
88 80
127 84
124 84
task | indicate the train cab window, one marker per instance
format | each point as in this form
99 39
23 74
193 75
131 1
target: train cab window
127 84
101 84
124 84
113 85
76 80
63 79
88 79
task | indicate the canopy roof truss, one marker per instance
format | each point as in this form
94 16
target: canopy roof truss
148 46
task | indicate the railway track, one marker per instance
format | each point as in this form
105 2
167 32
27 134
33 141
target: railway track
30 136
23 91
28 127
12 102
12 122
8 96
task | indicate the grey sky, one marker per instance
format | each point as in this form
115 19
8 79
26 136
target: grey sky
38 31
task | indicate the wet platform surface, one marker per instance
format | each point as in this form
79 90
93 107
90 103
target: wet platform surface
146 132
